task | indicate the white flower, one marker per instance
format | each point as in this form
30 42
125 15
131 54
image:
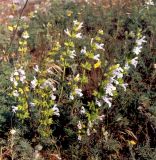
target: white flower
112 80
34 83
25 35
36 68
15 83
72 54
56 110
21 71
88 132
134 61
16 73
99 46
32 104
12 79
67 32
53 97
15 93
12 131
126 67
79 92
118 72
11 16
49 71
54 89
14 109
71 97
79 137
110 89
108 101
24 18
101 117
38 147
137 50
140 41
124 86
47 83
22 74
75 22
80 26
83 51
82 111
78 35
79 125
98 103
22 78
96 57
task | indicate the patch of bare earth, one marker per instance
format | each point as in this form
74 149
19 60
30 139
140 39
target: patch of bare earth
9 10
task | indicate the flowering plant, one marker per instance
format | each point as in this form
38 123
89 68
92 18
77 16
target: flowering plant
50 87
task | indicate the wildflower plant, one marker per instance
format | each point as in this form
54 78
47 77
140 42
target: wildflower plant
49 87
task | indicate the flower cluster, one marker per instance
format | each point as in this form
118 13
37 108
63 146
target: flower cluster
23 43
137 50
110 88
76 92
28 95
79 126
76 28
18 76
19 91
138 47
34 82
118 72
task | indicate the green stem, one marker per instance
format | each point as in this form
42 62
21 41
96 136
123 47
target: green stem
63 77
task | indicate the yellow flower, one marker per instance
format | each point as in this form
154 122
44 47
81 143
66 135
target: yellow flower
21 90
98 64
77 78
101 32
69 13
10 28
23 49
31 14
132 142
23 42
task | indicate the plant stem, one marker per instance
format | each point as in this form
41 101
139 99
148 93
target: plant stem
63 77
